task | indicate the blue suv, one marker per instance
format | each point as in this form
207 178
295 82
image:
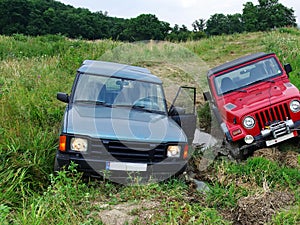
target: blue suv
117 124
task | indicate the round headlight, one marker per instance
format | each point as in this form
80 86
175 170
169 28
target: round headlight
295 106
174 151
249 122
249 139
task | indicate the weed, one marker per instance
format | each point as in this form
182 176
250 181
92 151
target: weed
204 116
4 212
291 216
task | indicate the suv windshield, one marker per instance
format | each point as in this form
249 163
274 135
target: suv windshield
247 75
119 92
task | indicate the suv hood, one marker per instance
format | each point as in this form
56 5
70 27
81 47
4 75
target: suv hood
121 124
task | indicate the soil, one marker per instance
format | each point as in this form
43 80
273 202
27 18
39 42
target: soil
260 208
128 213
289 158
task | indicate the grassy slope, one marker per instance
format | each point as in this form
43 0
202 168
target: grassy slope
34 69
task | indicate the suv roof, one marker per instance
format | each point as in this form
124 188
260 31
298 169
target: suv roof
112 69
237 62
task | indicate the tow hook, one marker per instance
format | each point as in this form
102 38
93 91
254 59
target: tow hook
278 129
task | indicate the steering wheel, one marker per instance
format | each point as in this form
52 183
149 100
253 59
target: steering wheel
147 102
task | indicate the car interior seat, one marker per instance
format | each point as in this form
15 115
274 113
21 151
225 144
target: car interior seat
257 73
227 85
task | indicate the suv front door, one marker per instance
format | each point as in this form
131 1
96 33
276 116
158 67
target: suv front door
183 109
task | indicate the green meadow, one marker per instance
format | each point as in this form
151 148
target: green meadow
34 69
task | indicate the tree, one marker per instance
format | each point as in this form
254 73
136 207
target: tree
221 24
199 25
235 23
182 34
146 27
250 17
268 14
217 24
39 17
14 17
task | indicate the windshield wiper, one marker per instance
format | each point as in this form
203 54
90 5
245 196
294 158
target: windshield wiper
269 80
93 102
139 108
237 90
241 90
143 108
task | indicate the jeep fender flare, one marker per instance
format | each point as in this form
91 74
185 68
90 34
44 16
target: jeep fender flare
221 122
226 131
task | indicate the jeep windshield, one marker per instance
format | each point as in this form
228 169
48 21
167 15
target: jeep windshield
237 79
104 91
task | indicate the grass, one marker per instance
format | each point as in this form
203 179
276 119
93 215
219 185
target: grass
33 70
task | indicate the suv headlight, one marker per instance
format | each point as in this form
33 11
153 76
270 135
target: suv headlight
295 106
249 122
79 144
174 151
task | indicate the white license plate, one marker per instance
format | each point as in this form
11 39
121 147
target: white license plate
121 166
280 139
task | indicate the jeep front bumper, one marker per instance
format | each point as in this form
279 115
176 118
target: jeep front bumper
278 132
278 129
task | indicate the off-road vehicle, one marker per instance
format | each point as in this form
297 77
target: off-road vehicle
117 124
254 102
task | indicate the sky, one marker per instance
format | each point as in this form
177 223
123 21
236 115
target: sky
181 12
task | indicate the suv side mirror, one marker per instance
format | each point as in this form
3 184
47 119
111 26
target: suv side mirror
288 68
207 96
62 97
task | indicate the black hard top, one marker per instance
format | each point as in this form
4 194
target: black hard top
237 62
111 69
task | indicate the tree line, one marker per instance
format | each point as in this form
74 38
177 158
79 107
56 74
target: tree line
41 17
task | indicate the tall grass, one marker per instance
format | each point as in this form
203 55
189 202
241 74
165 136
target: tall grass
286 44
33 70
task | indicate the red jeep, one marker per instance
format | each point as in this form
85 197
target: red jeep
254 102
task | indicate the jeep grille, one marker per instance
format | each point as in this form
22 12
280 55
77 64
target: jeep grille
129 151
275 113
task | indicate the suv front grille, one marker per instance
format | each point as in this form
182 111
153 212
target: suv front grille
129 151
275 113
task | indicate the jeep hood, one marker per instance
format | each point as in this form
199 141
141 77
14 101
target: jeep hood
258 97
121 124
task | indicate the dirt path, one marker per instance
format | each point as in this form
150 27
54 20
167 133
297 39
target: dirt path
128 212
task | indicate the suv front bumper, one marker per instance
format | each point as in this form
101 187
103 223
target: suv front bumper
122 171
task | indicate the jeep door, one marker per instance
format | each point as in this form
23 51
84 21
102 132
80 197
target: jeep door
183 109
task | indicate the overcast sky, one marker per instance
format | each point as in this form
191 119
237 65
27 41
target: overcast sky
172 11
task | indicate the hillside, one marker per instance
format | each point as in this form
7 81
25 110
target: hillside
261 189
